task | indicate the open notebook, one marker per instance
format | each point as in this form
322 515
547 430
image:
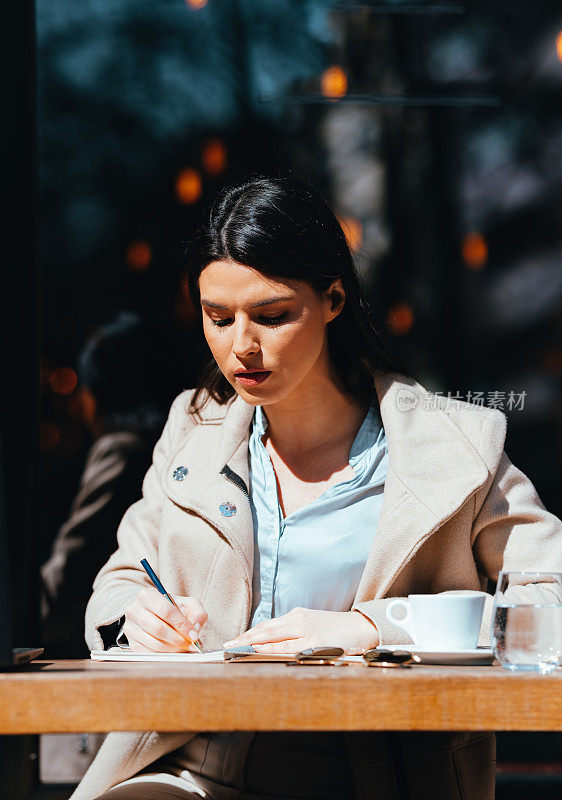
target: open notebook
125 654
216 656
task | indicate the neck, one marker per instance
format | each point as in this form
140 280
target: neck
320 416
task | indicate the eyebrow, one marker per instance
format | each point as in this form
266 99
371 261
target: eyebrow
269 301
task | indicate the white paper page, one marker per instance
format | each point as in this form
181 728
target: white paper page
124 654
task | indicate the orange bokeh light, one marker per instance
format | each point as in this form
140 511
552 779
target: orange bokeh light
188 185
474 250
559 46
87 406
353 232
214 156
400 319
139 255
196 3
49 436
63 380
185 310
334 82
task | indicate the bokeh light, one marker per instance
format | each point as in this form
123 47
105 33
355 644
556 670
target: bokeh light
185 311
87 406
353 232
63 380
334 82
196 3
214 156
559 46
400 319
49 436
474 250
188 185
139 255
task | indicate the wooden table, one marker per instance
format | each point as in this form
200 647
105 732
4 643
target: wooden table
65 696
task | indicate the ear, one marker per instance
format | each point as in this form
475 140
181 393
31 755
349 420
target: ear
335 299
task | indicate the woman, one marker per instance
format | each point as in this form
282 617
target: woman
286 509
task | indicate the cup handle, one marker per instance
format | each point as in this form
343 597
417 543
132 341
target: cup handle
405 623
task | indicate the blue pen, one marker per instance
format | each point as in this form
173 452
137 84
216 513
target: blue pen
156 581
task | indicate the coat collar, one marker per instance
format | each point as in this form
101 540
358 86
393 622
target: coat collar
427 451
432 470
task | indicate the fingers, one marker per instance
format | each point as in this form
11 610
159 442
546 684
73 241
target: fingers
160 630
139 640
158 625
304 627
193 609
274 630
142 642
289 646
267 635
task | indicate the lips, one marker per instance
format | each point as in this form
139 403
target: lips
250 377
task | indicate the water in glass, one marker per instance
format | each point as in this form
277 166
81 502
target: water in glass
528 637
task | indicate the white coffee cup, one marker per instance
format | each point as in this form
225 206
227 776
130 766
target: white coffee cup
441 621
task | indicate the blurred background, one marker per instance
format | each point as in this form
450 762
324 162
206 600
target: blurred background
434 130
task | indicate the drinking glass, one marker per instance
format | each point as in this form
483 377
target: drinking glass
527 627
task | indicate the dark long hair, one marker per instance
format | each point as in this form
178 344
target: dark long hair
281 227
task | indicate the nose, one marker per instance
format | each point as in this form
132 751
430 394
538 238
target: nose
244 342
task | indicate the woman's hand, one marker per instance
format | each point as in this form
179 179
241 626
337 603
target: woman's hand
154 625
306 627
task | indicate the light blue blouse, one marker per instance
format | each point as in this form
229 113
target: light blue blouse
314 557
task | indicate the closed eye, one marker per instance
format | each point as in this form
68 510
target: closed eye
221 323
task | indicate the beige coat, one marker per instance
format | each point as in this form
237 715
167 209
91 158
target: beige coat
454 511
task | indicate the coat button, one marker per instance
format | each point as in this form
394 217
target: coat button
227 509
180 473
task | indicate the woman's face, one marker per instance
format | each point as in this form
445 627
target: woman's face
251 321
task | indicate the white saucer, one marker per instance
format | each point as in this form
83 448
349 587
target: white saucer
480 655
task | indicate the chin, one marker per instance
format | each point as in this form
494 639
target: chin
249 398
254 397
242 391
